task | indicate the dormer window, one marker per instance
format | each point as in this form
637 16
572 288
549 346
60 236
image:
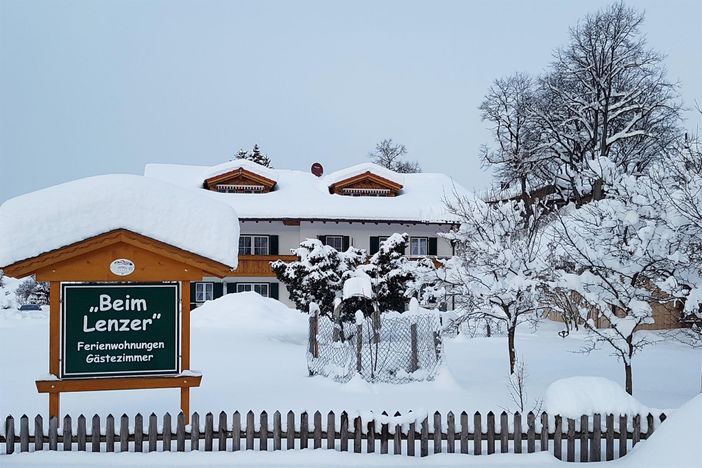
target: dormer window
239 180
366 184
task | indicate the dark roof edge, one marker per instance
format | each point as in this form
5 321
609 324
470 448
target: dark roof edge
354 220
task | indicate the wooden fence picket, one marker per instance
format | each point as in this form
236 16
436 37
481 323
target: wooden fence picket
623 430
464 432
277 431
222 432
53 433
397 442
636 437
67 434
531 432
595 444
357 429
290 433
331 431
584 430
477 434
384 437
370 437
571 440
543 446
490 433
250 430
24 433
504 433
517 432
180 432
424 438
167 434
451 433
110 433
82 434
304 430
9 435
138 433
95 434
437 432
153 433
609 438
344 432
195 431
317 433
209 431
124 433
38 433
411 434
558 438
263 432
236 431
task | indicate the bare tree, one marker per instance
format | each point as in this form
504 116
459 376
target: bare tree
516 155
390 155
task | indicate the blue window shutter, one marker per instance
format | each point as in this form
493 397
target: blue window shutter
217 290
322 239
374 244
345 243
432 246
273 290
273 245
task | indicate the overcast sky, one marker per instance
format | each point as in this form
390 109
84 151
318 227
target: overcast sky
94 87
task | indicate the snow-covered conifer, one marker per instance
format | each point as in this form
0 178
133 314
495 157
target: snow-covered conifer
318 275
255 155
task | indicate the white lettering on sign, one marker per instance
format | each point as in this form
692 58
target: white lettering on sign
118 325
122 267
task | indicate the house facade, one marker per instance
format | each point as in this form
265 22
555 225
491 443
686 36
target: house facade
358 206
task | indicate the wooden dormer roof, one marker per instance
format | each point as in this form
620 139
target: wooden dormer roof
240 177
366 181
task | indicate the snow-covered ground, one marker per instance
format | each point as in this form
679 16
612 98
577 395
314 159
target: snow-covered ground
251 351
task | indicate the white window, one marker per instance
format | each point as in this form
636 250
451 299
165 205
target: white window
335 241
253 245
204 292
419 246
260 288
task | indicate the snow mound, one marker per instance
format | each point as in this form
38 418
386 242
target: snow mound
576 396
358 286
673 443
61 215
253 316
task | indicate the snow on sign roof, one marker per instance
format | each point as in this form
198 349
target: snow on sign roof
302 195
61 215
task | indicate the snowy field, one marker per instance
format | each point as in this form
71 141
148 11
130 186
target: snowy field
251 352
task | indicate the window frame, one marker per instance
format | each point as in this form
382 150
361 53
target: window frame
252 288
426 246
201 295
335 237
252 248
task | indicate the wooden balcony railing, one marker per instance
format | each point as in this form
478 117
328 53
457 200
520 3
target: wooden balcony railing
259 265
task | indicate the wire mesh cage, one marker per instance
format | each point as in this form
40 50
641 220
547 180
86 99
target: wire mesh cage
392 347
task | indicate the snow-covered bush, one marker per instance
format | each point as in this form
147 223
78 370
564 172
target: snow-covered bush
30 291
255 155
318 275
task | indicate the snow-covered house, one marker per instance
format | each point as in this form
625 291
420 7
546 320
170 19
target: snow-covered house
358 206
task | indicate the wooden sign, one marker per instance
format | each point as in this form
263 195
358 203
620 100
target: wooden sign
119 329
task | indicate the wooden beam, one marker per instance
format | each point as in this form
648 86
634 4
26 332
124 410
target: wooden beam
117 383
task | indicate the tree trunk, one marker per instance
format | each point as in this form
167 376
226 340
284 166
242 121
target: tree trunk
629 382
510 343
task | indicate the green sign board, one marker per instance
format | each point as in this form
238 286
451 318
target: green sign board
119 329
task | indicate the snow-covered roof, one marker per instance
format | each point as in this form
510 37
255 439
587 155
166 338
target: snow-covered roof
358 169
229 166
55 217
302 195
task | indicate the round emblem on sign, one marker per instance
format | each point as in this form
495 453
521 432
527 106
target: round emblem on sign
122 267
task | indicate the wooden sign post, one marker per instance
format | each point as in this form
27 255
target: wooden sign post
119 314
